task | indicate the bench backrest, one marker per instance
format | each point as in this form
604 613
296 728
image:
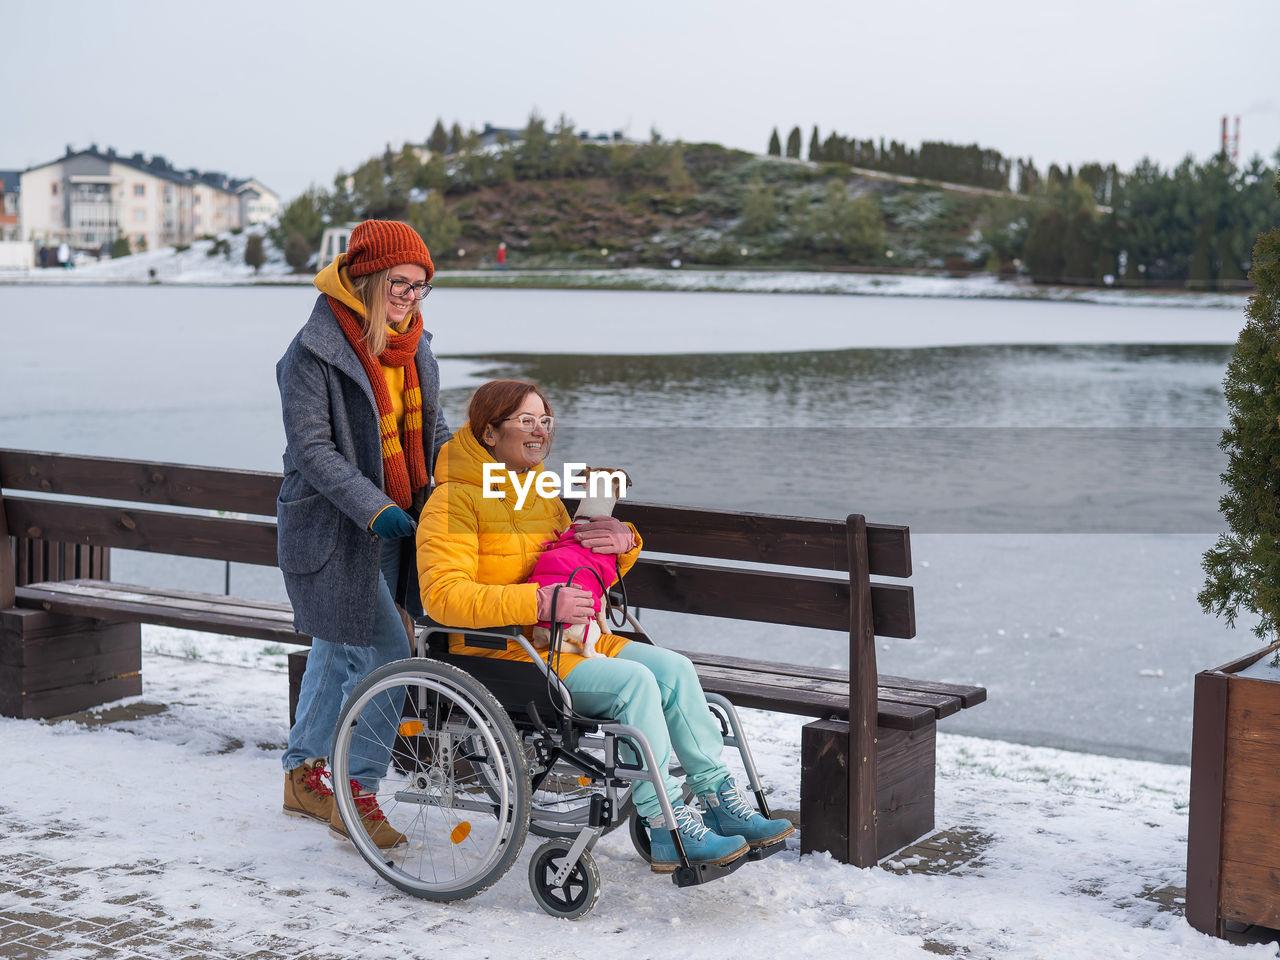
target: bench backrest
184 527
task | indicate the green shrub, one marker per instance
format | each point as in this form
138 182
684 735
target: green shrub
1243 567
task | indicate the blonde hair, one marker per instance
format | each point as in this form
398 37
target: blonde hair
371 289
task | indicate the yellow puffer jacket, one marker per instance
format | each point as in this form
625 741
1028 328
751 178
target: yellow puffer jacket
475 552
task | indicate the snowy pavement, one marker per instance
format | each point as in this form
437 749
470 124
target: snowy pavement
153 829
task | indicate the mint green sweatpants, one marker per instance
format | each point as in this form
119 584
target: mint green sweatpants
656 691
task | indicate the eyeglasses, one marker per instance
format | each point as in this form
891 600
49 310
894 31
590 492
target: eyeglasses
400 288
526 422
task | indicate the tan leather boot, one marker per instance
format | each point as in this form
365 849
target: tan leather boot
371 818
307 793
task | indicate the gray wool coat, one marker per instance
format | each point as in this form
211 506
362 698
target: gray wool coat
333 481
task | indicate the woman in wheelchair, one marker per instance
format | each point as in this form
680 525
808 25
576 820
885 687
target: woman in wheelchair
474 554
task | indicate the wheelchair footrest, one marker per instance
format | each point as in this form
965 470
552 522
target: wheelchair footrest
697 873
756 854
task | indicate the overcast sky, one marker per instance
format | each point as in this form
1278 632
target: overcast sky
291 92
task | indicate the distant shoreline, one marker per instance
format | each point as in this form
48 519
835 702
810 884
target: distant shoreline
689 280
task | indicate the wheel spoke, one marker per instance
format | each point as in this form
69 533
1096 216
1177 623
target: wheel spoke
454 781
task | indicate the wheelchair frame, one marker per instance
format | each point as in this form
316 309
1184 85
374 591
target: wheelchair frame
467 732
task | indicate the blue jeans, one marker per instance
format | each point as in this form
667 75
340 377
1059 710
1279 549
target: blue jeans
333 672
658 692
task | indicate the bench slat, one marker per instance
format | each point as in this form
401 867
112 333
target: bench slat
967 694
813 703
180 599
185 535
172 484
939 705
262 623
802 600
765 538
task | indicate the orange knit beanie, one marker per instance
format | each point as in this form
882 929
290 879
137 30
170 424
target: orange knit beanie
381 244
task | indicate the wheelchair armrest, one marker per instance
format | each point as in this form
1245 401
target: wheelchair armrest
491 638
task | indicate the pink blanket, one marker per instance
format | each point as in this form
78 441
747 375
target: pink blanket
563 555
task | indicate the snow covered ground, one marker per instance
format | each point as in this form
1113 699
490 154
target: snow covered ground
163 827
195 266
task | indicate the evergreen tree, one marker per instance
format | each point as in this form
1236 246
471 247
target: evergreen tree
455 138
120 246
852 226
815 145
674 174
1229 263
1200 265
532 161
1079 247
438 142
775 145
297 252
438 227
254 253
1043 249
793 143
759 209
1243 567
566 149
304 214
504 171
1028 177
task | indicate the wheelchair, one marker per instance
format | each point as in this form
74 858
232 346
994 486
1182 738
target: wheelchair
480 752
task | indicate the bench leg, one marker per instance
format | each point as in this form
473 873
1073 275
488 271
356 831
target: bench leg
904 791
53 664
297 667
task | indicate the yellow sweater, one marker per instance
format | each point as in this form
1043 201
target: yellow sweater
475 552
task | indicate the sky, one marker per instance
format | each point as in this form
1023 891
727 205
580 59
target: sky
292 92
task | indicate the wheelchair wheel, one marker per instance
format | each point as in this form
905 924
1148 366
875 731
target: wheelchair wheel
452 778
639 830
581 889
561 803
640 836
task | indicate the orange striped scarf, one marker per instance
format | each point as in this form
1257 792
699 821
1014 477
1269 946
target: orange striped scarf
401 479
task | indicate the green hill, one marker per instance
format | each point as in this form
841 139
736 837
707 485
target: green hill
558 200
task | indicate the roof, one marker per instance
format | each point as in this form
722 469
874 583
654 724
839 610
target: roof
157 166
10 179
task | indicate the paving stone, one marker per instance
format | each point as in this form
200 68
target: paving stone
23 951
11 930
35 919
948 851
79 925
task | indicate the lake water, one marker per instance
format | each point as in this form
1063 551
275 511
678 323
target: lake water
1057 463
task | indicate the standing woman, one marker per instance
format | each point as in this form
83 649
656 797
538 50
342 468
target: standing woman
360 393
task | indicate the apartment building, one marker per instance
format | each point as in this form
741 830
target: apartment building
89 197
10 181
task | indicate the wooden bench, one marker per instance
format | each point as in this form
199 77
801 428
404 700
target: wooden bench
69 636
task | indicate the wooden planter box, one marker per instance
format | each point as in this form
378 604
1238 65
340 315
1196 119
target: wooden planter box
1233 836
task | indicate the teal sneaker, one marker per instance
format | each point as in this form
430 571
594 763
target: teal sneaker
730 812
700 844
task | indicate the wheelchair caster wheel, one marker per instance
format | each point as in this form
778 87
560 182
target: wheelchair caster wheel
581 889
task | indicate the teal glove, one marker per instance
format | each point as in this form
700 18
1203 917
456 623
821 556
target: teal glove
393 523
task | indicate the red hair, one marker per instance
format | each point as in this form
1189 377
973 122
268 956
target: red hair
496 400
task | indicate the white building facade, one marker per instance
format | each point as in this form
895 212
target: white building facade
89 198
